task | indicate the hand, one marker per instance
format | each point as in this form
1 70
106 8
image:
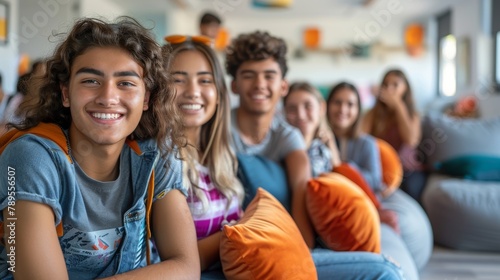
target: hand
226 223
389 97
325 134
390 218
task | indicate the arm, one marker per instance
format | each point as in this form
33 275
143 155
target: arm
366 159
175 239
326 136
408 127
208 249
298 173
37 249
335 153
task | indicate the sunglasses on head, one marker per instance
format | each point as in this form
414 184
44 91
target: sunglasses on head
179 39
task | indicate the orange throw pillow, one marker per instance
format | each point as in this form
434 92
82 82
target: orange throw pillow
342 214
392 169
265 244
352 174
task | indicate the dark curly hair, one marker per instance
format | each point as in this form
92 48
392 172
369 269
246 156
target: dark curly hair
255 46
161 122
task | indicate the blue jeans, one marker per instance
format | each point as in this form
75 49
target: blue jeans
340 265
354 265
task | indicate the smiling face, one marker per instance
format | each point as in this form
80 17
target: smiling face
303 110
196 92
343 110
260 86
106 96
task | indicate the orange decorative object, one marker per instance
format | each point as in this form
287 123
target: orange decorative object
222 39
24 65
414 39
312 38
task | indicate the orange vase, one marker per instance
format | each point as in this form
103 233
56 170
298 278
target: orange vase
311 37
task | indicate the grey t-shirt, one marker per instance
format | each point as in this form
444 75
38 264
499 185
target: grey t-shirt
281 140
105 202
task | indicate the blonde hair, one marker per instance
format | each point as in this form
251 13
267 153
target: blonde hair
307 87
217 154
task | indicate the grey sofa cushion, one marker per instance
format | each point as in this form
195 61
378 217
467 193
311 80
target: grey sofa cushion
444 137
416 231
464 214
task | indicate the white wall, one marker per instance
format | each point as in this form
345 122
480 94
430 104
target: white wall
156 22
468 22
326 69
39 21
104 9
9 54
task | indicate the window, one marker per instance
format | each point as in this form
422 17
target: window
447 52
497 59
495 32
447 64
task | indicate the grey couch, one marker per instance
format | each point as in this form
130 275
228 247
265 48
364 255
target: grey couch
464 213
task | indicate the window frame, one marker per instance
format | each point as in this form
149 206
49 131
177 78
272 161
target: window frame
444 21
495 34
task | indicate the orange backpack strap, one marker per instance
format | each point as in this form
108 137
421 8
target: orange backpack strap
45 130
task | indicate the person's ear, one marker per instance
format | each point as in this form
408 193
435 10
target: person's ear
284 87
146 101
65 95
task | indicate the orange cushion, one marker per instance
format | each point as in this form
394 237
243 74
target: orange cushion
342 214
392 169
352 174
265 244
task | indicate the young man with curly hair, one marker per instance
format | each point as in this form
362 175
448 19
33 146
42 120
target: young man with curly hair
257 64
94 169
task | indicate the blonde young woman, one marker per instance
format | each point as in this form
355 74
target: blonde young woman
214 192
305 109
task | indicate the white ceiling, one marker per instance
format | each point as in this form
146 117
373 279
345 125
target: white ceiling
299 8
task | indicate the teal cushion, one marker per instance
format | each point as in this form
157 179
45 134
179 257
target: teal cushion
257 171
474 167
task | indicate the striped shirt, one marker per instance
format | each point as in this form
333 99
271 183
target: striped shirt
210 221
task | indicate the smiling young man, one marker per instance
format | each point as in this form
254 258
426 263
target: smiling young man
259 80
257 64
93 161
